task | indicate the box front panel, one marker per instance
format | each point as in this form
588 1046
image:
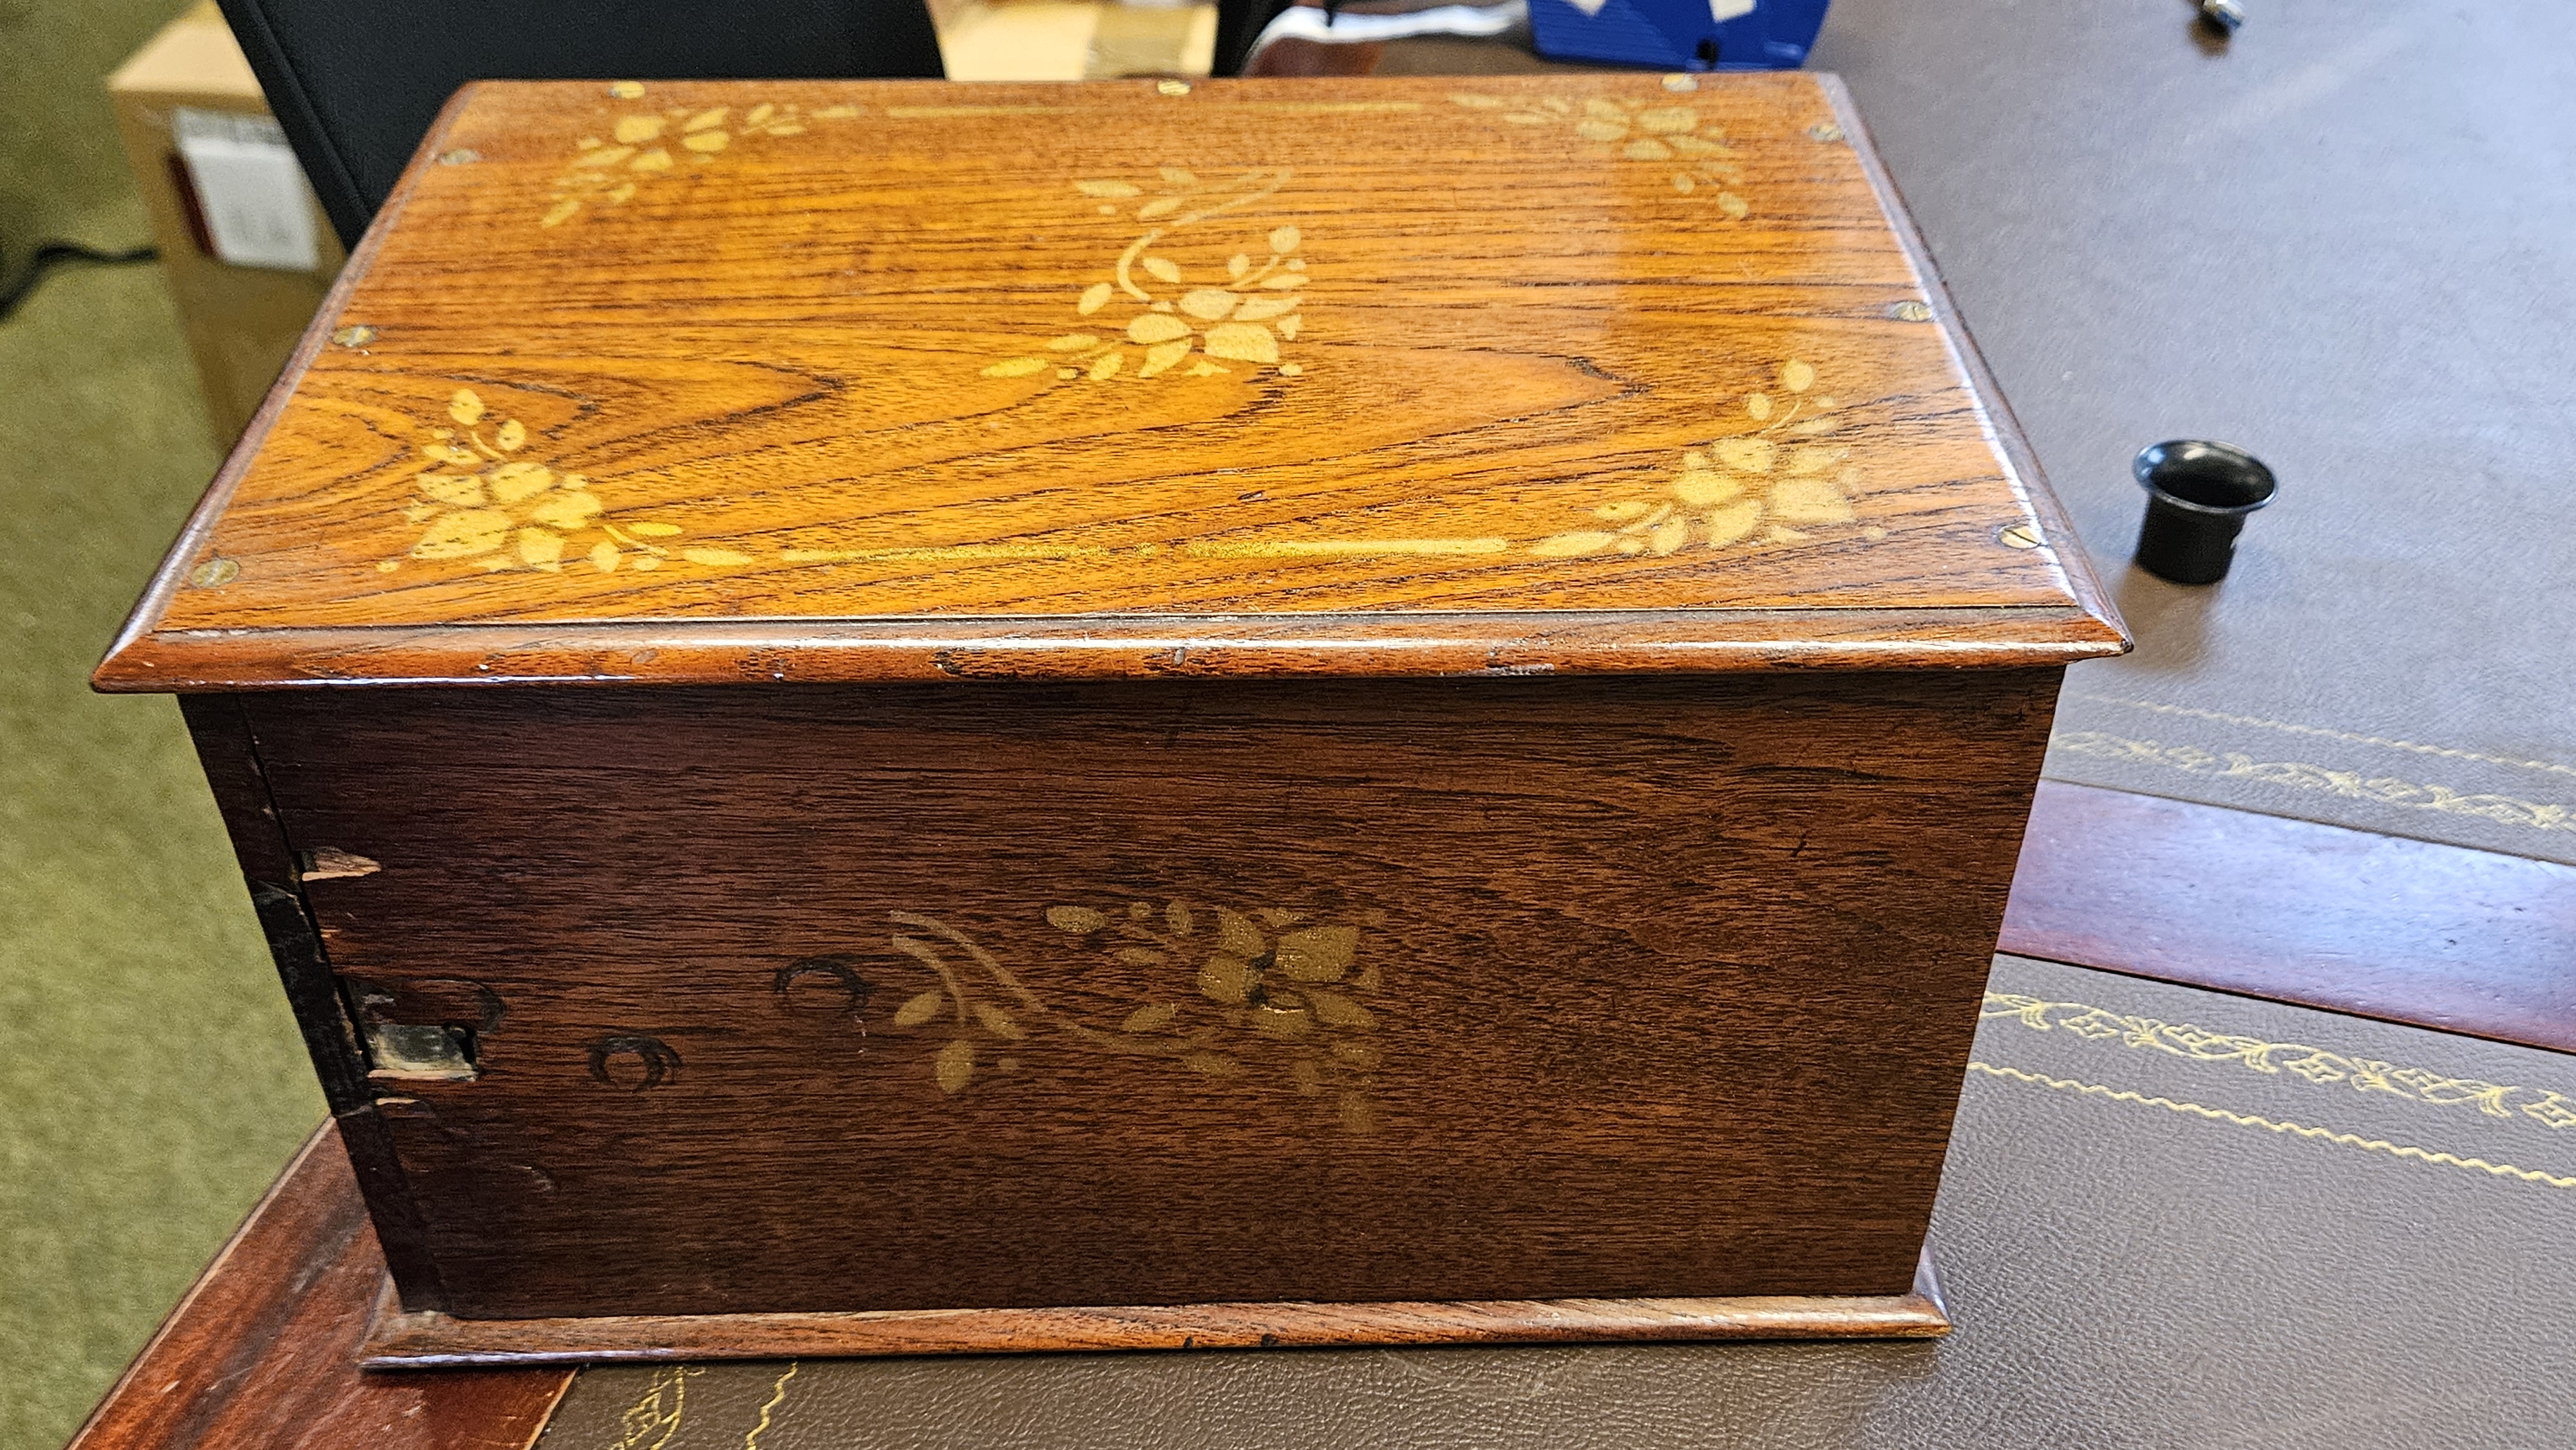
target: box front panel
837 999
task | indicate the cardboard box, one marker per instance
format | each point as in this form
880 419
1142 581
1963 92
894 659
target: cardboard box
243 241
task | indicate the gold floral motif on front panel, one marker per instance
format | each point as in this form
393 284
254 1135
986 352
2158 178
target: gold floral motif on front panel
1267 991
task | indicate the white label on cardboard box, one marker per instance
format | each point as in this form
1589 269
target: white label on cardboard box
249 188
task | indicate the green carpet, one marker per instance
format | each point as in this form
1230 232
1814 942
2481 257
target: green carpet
150 1079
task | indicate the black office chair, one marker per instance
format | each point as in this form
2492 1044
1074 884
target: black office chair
356 85
1238 24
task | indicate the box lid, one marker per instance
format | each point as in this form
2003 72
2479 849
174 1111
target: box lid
746 380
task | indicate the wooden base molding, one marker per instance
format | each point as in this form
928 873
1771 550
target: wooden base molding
400 1340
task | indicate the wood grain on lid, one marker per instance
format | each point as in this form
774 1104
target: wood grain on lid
800 361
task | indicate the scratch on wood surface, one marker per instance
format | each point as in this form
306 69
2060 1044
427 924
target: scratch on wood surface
333 864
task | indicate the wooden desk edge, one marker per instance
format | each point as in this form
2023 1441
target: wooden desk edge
2418 932
264 1348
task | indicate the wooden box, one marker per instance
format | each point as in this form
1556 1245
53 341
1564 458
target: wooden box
895 716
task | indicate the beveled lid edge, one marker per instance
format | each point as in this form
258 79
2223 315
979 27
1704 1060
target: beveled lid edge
758 652
172 574
2074 570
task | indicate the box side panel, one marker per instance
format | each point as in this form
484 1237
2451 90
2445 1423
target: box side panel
809 999
273 870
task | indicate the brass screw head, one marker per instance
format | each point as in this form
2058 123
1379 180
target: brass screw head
1171 88
1680 83
1825 131
461 156
626 90
1910 311
2019 536
356 336
214 573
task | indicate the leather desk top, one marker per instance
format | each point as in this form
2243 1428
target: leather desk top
2340 240
2171 1219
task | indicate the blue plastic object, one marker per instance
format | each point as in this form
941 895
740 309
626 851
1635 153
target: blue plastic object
1680 34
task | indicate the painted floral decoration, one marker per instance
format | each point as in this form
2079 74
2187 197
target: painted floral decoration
1277 975
1272 985
1162 311
1670 138
644 146
1770 485
480 500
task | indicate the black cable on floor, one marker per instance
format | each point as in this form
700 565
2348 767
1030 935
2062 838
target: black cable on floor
55 254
